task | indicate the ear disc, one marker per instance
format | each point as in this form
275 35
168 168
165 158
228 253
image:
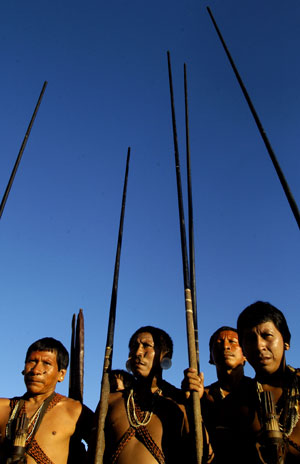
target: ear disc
165 363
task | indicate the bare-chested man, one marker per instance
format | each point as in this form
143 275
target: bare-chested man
273 408
50 419
147 423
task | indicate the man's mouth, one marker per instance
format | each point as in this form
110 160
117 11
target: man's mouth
33 380
138 362
264 359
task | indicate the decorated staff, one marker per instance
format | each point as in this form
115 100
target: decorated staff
12 176
191 220
188 296
105 386
77 358
276 165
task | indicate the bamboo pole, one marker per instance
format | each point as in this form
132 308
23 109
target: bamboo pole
105 387
188 296
191 220
262 132
14 171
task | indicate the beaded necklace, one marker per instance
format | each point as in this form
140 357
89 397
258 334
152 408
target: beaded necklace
131 409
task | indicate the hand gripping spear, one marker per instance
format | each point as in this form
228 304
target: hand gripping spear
77 358
105 387
12 176
188 295
276 165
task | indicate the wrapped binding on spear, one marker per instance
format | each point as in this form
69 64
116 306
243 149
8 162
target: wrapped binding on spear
187 289
105 386
269 148
12 176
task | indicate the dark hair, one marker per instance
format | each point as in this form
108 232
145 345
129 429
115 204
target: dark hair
50 344
260 312
161 339
212 339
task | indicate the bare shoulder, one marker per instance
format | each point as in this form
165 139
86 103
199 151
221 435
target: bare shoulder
4 406
71 407
4 410
115 398
4 402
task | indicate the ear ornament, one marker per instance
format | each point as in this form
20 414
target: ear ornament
165 363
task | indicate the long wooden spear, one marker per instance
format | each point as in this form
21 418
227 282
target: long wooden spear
276 165
105 387
77 358
12 176
191 220
187 290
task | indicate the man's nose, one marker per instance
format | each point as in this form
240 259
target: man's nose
260 343
38 368
139 350
226 345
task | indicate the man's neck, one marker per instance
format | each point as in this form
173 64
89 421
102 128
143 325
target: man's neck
275 379
148 385
37 398
229 379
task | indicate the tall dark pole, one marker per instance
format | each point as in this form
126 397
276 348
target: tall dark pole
187 290
77 358
276 165
105 387
191 219
12 176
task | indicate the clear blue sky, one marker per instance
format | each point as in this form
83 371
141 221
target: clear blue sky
108 89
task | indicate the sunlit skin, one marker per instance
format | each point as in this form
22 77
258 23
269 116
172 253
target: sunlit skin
228 357
145 365
226 352
41 374
264 348
145 359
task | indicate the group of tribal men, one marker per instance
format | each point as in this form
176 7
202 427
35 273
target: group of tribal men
148 420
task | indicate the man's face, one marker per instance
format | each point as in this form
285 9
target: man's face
264 347
143 355
41 372
226 351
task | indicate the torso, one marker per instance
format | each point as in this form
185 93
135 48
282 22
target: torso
55 430
166 427
291 435
225 424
